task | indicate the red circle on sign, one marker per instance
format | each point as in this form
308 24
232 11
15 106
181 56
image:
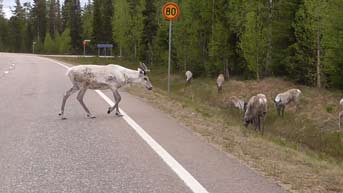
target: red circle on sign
170 11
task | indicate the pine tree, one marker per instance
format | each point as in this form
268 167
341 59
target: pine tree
58 17
66 10
253 41
87 21
17 28
75 26
65 43
4 30
149 31
127 26
282 35
48 44
306 67
107 21
40 20
97 22
52 19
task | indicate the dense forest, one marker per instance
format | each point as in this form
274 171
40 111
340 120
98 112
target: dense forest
301 40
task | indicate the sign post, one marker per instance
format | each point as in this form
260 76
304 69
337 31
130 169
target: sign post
33 47
170 12
84 46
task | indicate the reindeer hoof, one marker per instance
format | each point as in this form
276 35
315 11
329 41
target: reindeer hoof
62 117
90 116
119 114
109 110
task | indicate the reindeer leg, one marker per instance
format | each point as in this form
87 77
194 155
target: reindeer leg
340 119
117 99
117 103
262 123
80 96
65 97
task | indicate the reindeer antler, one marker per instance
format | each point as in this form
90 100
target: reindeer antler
143 67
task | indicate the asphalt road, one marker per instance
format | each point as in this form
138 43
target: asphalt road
41 153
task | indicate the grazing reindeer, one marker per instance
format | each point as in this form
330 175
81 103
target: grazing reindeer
238 103
340 115
283 99
256 110
220 82
111 77
189 77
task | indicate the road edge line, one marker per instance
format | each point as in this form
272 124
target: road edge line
174 165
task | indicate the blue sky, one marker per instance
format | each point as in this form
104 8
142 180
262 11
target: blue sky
9 4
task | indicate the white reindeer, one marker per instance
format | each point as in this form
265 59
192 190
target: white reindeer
256 110
220 82
340 115
238 103
111 77
340 118
283 99
189 77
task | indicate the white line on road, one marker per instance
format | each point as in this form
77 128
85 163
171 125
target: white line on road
181 172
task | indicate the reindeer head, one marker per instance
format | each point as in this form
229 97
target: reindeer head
144 79
246 121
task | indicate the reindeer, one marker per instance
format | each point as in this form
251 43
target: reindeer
238 103
340 118
340 115
220 82
111 77
189 77
256 110
283 99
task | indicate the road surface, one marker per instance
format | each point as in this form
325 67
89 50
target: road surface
41 153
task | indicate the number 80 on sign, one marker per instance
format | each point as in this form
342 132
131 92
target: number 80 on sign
170 11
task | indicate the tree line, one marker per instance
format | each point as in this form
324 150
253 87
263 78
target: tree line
301 40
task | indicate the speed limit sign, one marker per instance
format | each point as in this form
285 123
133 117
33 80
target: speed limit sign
170 11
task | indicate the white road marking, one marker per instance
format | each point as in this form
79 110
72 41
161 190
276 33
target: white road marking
6 72
180 171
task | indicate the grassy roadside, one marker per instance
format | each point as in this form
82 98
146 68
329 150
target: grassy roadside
286 152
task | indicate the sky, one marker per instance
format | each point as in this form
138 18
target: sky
9 4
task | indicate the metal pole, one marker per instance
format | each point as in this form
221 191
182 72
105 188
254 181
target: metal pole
84 50
170 31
